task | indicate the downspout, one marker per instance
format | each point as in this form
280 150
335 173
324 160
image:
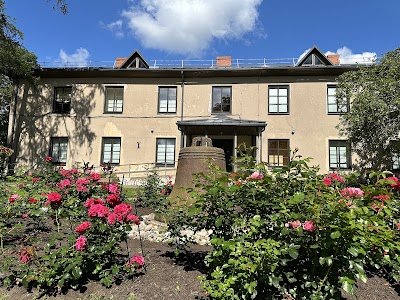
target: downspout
182 105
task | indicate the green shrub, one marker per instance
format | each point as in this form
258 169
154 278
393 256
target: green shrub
291 230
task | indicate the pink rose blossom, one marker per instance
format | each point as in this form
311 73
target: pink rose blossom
113 199
32 200
122 209
398 226
239 183
256 175
82 181
163 191
382 197
53 199
113 188
95 176
294 224
309 226
13 198
35 180
83 227
336 177
25 216
25 255
137 261
396 184
49 158
352 192
327 181
80 243
98 210
112 218
82 188
89 202
132 218
64 183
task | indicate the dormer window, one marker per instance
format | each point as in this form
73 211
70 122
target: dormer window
313 60
314 57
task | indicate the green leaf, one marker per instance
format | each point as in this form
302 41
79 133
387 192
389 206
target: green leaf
293 253
335 234
353 251
348 287
76 272
218 221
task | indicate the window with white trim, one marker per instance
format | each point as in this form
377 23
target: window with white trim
111 150
278 153
165 152
114 99
62 100
167 99
58 150
333 106
339 155
278 99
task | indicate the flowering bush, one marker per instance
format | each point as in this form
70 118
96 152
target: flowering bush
291 230
85 245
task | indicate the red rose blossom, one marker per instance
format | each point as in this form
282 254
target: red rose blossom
83 227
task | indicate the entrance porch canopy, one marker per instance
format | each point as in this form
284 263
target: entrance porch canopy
226 126
221 125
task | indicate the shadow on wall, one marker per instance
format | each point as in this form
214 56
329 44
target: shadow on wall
36 123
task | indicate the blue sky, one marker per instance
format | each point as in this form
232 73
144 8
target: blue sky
99 31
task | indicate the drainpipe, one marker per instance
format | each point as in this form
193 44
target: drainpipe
182 106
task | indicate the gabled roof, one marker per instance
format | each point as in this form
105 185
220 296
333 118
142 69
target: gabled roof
314 57
135 61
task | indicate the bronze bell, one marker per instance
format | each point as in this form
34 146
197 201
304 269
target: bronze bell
193 160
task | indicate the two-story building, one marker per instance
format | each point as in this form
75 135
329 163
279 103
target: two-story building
134 116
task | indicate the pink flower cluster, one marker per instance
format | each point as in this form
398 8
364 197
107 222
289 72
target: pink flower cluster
380 204
137 261
98 210
83 227
80 243
122 213
331 178
307 225
352 192
89 202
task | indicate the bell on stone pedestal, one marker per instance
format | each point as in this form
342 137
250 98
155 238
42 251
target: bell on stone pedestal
193 160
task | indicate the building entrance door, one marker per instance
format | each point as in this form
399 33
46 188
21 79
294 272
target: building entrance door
227 146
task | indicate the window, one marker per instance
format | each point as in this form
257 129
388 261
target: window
58 150
165 152
396 162
62 100
221 99
111 151
278 153
278 97
333 106
167 99
114 99
339 155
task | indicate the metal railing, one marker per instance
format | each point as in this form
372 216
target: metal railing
204 63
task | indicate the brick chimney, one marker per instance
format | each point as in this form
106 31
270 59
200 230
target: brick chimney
119 61
224 61
334 58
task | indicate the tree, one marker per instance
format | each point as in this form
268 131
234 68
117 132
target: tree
372 125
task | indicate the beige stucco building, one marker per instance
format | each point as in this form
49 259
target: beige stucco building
135 116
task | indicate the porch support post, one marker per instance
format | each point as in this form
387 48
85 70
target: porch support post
184 141
261 147
234 166
257 148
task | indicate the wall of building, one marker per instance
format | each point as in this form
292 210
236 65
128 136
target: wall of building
308 125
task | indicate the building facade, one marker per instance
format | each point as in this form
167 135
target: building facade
136 117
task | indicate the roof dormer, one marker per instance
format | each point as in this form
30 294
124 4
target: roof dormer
314 57
135 61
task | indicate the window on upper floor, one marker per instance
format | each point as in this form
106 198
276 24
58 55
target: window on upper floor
62 100
111 150
396 162
167 99
278 153
58 150
221 99
114 99
165 152
278 99
339 155
333 106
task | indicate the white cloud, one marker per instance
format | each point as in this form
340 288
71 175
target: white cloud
303 54
78 59
189 26
115 28
348 57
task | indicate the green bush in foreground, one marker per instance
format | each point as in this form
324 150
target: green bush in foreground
292 231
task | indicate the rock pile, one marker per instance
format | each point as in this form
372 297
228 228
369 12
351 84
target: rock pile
155 231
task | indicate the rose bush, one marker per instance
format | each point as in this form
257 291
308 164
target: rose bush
72 210
292 231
